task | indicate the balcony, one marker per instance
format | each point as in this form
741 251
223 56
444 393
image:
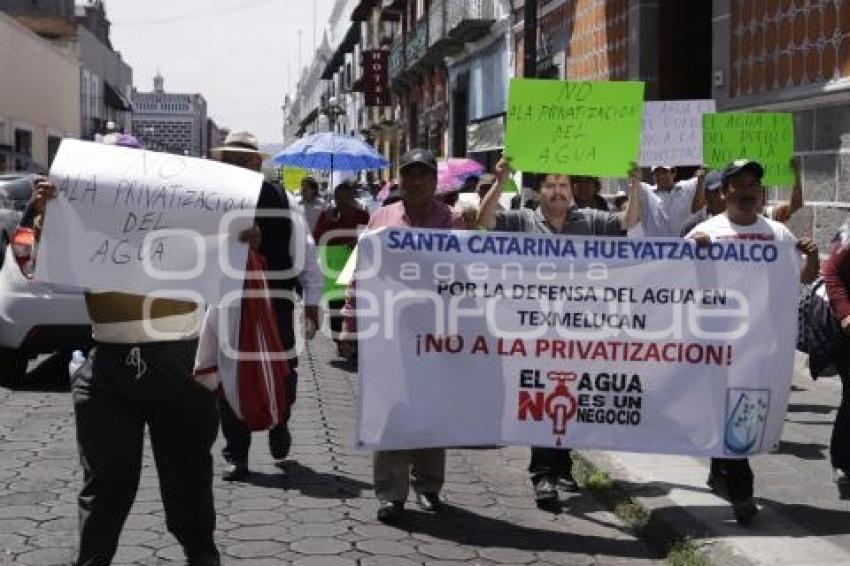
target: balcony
417 43
440 44
469 20
396 66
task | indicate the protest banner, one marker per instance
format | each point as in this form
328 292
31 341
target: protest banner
290 178
646 345
143 222
672 132
767 137
582 128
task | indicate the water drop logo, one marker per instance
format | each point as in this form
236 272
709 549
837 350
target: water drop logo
746 417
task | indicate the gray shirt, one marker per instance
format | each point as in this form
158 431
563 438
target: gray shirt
580 222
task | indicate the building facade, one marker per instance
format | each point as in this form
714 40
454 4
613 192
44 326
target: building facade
106 80
39 102
301 110
82 29
171 122
479 75
794 56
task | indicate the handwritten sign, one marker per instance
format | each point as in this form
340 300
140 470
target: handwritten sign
766 137
143 222
583 128
291 178
672 132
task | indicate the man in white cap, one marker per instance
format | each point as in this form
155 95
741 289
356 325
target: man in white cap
284 239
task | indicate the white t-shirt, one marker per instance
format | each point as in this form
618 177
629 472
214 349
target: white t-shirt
720 228
664 213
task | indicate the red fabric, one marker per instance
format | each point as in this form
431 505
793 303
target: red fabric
261 382
349 220
836 276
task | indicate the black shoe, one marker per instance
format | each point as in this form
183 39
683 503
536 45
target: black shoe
429 502
203 560
716 484
744 511
545 493
842 482
566 482
389 512
235 472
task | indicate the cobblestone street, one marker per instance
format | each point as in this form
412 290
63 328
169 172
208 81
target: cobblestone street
321 512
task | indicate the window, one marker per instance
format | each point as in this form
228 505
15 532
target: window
95 97
52 148
23 146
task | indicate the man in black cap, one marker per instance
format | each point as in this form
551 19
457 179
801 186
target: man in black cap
714 202
742 191
395 470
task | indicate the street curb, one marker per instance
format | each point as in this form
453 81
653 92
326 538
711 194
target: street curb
667 523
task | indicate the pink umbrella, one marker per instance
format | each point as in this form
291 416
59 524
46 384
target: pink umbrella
453 171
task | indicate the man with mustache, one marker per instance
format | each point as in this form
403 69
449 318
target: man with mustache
557 214
742 220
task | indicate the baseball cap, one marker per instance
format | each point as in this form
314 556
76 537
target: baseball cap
740 165
419 156
714 180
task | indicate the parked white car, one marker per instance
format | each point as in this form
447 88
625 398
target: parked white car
35 317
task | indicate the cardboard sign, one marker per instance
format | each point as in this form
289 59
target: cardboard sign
582 128
145 222
291 178
672 132
766 137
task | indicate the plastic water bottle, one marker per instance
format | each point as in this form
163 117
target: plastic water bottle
77 361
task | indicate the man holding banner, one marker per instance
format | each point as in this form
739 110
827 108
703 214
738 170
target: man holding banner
557 214
741 187
392 469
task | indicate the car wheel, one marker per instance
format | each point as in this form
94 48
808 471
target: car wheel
13 366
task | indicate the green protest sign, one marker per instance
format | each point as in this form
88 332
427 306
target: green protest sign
331 260
766 137
291 177
583 128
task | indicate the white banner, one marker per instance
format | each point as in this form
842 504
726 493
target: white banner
646 345
144 222
672 132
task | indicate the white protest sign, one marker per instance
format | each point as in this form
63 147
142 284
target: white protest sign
646 345
672 132
144 222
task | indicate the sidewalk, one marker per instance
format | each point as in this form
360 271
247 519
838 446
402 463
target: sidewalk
802 521
322 512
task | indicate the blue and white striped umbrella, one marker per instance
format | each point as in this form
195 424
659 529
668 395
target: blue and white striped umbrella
327 151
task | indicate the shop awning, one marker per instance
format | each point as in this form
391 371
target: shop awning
114 98
352 38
